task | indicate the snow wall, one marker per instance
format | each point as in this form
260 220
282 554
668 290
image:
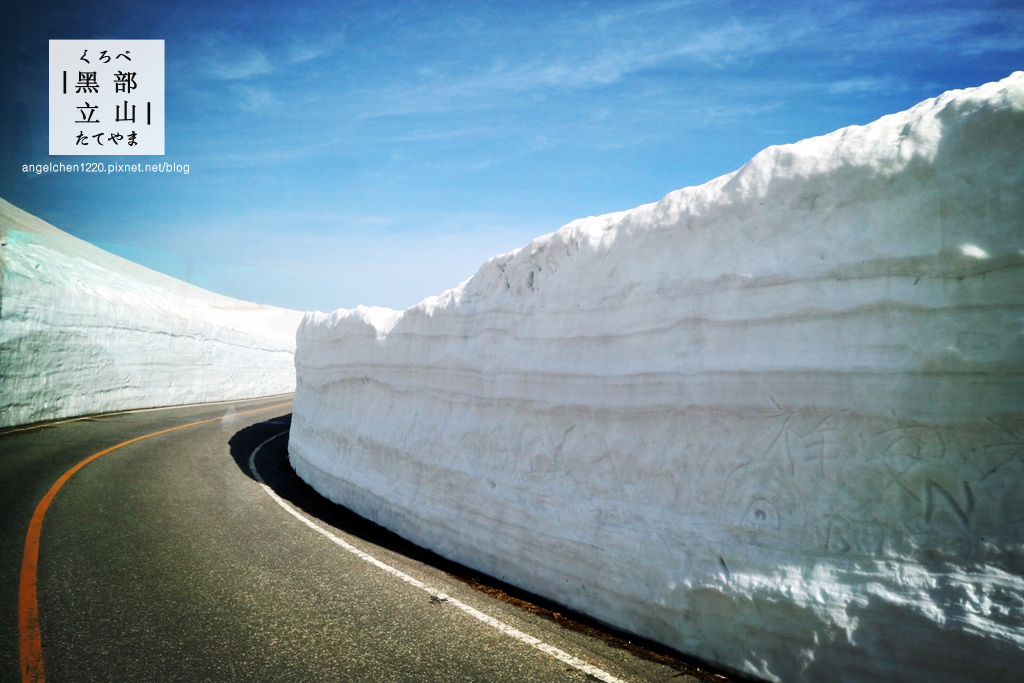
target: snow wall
83 331
774 421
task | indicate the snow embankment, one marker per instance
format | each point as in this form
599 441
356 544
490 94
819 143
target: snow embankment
776 421
83 331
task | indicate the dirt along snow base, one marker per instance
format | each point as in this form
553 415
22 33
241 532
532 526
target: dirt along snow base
774 421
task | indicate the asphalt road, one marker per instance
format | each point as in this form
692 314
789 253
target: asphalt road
166 560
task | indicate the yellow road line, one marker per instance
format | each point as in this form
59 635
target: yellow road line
31 644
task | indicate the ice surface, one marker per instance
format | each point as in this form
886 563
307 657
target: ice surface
83 331
774 420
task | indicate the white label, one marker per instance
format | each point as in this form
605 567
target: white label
106 97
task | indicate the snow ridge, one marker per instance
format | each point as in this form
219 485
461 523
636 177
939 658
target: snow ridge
83 331
775 420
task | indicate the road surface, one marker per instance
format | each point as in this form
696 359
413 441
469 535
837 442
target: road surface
165 559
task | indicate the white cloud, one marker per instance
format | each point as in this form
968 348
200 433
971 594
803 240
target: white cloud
254 99
865 84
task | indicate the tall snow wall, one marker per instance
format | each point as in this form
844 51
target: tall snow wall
83 331
774 421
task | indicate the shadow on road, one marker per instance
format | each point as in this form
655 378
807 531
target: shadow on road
272 464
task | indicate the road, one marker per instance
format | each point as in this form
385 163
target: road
167 560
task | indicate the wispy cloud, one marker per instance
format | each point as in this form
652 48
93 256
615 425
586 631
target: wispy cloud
865 84
221 56
300 51
953 30
566 55
454 82
242 67
253 74
869 28
254 99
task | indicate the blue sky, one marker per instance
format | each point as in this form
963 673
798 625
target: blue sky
344 152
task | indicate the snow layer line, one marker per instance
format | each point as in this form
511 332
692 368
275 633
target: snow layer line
83 331
774 420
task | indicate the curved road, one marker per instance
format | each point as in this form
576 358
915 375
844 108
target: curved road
167 560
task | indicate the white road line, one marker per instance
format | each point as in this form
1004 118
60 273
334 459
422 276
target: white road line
433 592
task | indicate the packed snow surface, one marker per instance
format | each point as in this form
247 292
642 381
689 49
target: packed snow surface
774 421
83 331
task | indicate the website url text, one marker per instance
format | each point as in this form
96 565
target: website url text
96 167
